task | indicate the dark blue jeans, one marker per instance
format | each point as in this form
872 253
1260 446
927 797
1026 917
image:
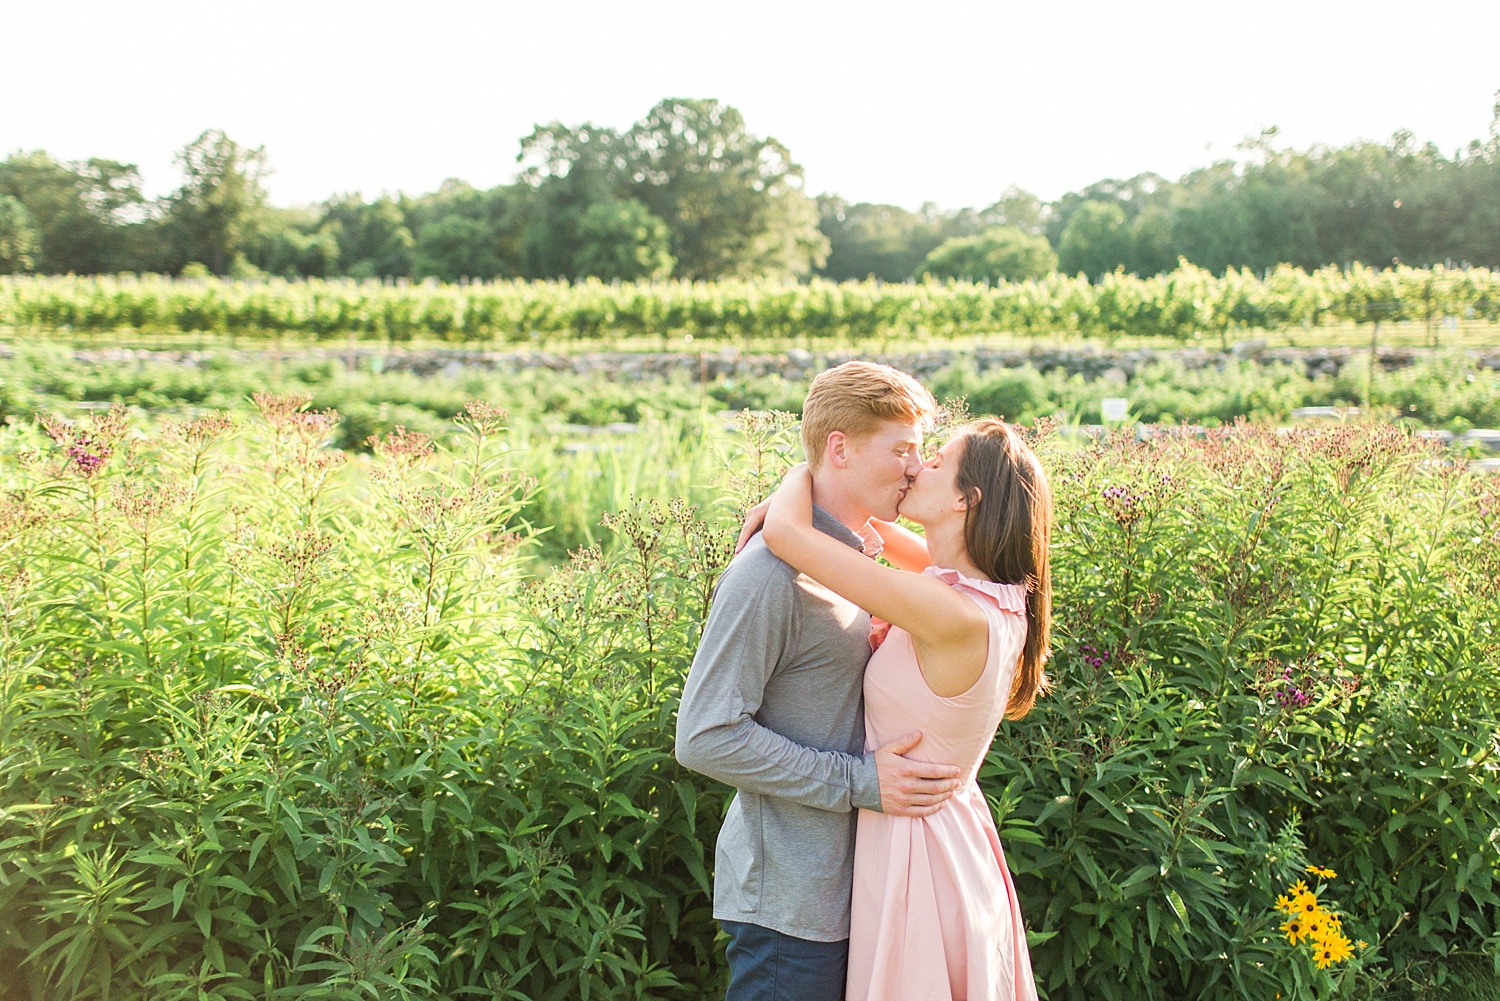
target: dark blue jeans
765 965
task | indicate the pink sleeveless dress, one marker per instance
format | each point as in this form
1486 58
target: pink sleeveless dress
934 915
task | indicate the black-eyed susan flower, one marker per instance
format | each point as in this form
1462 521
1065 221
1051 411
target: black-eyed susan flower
1331 949
1308 922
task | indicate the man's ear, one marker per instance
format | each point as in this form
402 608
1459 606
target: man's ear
836 450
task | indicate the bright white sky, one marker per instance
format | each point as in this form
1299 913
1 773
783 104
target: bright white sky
946 101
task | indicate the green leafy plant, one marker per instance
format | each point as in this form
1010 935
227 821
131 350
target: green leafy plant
280 723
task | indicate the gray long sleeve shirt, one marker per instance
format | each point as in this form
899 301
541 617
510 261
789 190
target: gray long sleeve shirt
774 706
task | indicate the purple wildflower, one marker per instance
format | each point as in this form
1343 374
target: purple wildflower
1092 656
88 456
1289 696
1124 506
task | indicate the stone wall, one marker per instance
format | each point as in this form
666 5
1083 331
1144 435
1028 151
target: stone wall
1091 361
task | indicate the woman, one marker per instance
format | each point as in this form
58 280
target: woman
961 641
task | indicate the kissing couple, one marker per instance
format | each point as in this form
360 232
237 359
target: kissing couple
850 704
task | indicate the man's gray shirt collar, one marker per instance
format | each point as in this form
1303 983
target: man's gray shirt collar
867 542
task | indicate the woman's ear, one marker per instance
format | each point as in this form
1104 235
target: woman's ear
968 500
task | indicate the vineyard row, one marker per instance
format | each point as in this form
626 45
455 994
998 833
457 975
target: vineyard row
1184 304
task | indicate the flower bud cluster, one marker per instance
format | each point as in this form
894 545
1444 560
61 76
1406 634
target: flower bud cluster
402 447
88 448
1287 694
1093 656
200 432
1125 507
482 418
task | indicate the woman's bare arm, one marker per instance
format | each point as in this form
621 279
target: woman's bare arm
904 549
936 615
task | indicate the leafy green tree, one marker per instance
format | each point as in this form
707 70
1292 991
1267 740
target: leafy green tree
623 240
555 151
88 217
453 247
567 170
18 237
292 243
1376 203
886 242
1151 246
214 214
463 232
372 237
1096 240
1130 196
1003 253
733 200
1471 207
1020 209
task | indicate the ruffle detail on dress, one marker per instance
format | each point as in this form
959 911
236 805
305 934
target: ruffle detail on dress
1010 597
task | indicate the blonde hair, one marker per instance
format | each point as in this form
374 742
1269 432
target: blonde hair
856 398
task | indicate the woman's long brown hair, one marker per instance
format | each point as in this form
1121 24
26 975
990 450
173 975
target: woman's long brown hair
1008 531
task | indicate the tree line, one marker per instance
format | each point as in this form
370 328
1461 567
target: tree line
689 192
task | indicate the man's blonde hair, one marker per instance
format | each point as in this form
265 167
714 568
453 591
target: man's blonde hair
856 398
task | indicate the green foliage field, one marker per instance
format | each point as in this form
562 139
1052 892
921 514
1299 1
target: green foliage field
1278 650
279 721
560 423
1184 305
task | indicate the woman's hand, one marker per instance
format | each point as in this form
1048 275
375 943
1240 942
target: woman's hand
790 516
754 518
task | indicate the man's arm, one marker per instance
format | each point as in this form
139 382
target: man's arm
749 630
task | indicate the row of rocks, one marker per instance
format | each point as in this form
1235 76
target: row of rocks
1090 361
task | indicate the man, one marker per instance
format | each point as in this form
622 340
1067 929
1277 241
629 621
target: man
774 706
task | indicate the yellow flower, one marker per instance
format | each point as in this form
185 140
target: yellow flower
1294 930
1332 949
1322 873
1316 925
1284 904
1306 904
1362 944
1298 888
